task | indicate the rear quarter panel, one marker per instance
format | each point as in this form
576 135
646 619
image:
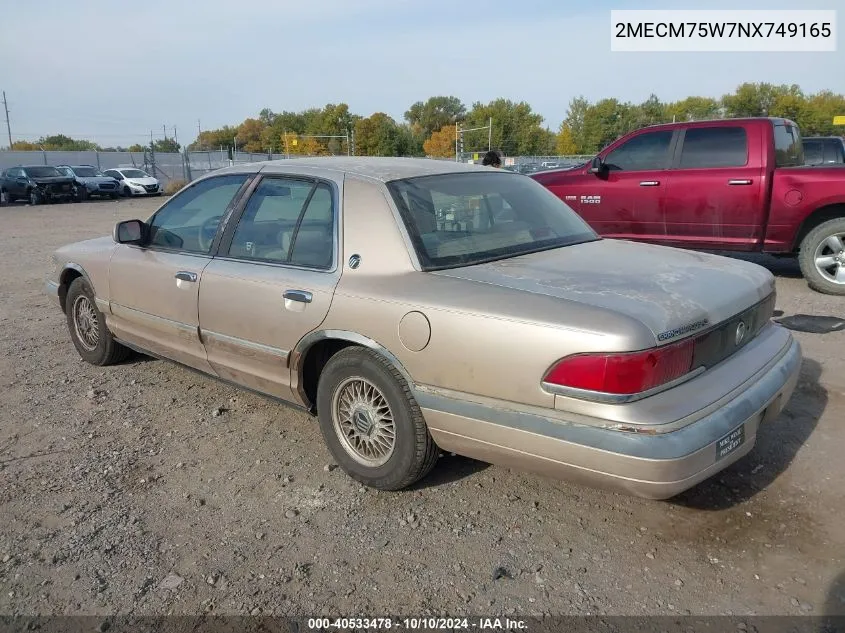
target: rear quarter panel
454 334
797 192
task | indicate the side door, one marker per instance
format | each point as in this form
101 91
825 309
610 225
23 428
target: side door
154 288
716 194
16 182
626 199
272 281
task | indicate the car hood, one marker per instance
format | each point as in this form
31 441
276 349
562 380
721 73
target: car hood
144 181
671 291
54 180
95 179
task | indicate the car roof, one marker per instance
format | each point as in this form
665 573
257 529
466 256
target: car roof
383 169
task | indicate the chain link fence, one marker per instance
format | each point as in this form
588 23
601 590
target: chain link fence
188 166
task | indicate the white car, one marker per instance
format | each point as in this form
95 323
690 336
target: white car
135 182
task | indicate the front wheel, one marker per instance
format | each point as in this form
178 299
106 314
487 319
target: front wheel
371 422
35 197
127 192
114 196
88 330
822 257
81 194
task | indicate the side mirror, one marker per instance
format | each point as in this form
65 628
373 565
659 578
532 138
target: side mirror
597 166
129 232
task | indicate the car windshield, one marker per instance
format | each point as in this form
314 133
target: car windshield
86 172
470 218
42 172
134 173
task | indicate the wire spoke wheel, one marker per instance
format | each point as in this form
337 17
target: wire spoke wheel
363 421
85 323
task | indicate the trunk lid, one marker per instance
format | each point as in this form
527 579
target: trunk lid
673 292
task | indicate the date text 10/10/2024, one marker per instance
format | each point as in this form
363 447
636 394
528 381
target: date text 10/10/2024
417 624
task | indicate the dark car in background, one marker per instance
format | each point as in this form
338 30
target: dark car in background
90 181
38 184
824 150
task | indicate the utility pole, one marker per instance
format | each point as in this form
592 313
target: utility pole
490 136
175 138
8 125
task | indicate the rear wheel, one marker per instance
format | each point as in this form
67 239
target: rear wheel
87 326
822 257
371 422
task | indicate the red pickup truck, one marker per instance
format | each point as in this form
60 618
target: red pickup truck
733 184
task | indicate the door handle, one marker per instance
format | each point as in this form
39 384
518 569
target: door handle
740 182
649 183
186 275
303 296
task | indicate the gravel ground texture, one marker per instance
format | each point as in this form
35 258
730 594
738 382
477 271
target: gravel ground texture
148 489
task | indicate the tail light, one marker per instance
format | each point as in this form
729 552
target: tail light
624 374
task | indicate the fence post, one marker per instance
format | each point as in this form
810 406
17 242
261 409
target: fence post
186 163
97 154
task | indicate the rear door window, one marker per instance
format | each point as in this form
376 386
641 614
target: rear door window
707 147
813 152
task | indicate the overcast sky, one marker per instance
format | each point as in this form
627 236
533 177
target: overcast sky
112 71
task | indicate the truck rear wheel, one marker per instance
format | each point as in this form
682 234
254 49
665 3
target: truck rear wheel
822 257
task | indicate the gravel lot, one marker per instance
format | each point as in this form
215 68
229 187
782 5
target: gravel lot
148 489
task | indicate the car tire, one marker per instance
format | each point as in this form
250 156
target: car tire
361 397
127 192
114 196
81 194
822 256
35 197
87 327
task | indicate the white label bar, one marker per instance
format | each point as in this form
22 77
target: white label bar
723 31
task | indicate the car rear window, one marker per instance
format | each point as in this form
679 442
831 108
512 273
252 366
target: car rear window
789 148
714 147
469 218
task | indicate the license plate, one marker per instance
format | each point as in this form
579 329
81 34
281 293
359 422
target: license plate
730 442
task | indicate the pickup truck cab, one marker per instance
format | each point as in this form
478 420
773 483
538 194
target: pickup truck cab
733 184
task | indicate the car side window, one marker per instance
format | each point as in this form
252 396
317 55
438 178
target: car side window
813 153
646 151
714 147
287 221
188 222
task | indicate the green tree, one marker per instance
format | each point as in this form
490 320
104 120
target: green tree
426 117
517 130
378 135
756 99
251 136
693 109
565 144
60 142
166 146
135 148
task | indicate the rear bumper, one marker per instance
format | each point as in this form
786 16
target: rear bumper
651 464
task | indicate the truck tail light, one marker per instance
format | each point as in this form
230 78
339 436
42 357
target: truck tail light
623 374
